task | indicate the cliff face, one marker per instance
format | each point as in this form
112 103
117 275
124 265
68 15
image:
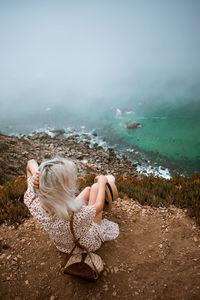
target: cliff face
15 152
156 253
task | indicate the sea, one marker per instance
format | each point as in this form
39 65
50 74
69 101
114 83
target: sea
166 141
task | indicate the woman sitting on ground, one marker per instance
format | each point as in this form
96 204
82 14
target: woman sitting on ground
51 199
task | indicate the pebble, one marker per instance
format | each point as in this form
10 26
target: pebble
130 269
136 293
114 294
105 288
2 256
26 282
52 297
195 239
105 273
116 269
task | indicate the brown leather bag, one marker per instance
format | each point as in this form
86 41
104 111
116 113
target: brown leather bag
87 265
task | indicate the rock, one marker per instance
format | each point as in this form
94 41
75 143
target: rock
40 136
116 269
105 288
60 131
105 273
132 125
105 155
3 146
2 256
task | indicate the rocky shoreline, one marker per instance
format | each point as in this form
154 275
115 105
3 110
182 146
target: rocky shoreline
15 152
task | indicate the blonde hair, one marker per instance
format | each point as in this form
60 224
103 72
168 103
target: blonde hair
57 187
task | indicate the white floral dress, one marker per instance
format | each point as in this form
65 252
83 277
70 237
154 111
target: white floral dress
91 234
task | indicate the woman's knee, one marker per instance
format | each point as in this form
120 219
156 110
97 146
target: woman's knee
94 187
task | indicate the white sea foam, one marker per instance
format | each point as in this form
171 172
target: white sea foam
156 171
120 113
160 118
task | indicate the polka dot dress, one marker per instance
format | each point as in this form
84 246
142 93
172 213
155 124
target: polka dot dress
91 234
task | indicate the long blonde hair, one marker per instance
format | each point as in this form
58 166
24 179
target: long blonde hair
57 187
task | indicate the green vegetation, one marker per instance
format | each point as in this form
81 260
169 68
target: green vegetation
147 190
12 207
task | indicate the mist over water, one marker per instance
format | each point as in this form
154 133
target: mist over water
83 63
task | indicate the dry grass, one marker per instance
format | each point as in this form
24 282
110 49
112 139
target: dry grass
147 190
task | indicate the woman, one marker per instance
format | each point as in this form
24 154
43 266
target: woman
51 199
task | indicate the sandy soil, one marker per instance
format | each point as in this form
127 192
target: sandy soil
156 256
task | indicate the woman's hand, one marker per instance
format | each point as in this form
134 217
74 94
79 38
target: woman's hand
31 168
36 179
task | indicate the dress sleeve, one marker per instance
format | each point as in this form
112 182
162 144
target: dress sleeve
32 202
29 196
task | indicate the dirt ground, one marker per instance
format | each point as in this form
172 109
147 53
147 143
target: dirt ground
156 256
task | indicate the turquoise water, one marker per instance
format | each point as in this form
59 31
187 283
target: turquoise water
169 135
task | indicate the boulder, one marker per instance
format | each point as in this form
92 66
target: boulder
60 131
132 125
40 135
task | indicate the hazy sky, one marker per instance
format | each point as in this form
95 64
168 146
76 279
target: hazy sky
92 50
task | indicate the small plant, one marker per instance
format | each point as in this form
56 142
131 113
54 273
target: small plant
12 207
83 182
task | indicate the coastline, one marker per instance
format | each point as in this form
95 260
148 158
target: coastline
155 229
15 152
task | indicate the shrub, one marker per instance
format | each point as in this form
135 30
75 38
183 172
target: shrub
12 207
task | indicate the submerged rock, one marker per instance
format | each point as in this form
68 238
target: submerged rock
132 125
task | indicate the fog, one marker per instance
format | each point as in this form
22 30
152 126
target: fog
91 53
